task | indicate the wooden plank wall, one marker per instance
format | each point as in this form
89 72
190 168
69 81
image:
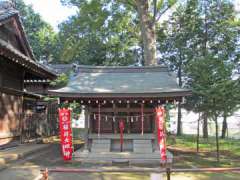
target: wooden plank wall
11 75
11 79
10 114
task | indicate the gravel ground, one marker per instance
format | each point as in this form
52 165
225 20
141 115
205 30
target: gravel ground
29 169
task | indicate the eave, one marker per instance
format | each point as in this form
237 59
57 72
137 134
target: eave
122 95
11 53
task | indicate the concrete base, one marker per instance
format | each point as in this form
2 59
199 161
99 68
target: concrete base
111 157
143 151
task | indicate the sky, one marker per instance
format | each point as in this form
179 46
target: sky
51 11
54 13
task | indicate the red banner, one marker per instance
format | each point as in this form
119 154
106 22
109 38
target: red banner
161 132
65 133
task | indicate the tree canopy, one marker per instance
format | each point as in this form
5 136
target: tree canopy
100 34
41 35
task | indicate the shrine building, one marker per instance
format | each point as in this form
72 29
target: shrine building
109 95
18 70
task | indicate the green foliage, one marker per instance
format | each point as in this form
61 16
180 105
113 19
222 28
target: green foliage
200 42
74 106
101 33
212 87
41 36
168 107
177 38
61 81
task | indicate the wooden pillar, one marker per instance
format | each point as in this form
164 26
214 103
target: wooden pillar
90 125
99 119
156 147
114 114
142 118
128 119
86 129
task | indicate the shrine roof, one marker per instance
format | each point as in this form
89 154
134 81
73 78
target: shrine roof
109 81
9 16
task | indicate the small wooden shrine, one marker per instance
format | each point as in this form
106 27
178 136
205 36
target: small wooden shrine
109 95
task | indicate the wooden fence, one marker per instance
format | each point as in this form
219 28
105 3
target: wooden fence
168 171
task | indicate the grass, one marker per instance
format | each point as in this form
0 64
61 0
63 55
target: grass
185 153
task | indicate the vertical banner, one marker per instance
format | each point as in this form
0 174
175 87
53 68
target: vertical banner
65 133
160 116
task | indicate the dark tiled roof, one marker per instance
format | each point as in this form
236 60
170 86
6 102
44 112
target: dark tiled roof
9 51
7 12
92 80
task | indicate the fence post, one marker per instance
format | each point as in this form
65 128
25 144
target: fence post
45 174
168 173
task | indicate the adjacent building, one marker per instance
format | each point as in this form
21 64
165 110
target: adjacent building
18 68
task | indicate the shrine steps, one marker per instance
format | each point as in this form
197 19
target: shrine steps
100 145
142 146
105 148
113 157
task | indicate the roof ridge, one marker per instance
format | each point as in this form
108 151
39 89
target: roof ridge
120 69
6 5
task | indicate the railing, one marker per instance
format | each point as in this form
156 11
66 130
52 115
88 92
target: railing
36 125
168 171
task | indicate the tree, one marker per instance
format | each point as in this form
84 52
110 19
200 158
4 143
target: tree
148 11
102 33
219 34
231 103
41 36
211 68
211 79
176 39
197 30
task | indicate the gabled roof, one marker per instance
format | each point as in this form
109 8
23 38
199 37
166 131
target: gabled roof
12 53
97 81
9 13
26 59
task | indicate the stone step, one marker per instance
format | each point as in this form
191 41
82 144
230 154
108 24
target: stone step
146 150
142 145
119 156
142 141
130 161
101 141
101 145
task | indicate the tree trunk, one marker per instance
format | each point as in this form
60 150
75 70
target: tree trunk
198 132
217 139
205 125
179 123
224 126
148 32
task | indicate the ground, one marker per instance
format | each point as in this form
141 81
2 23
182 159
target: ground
184 156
